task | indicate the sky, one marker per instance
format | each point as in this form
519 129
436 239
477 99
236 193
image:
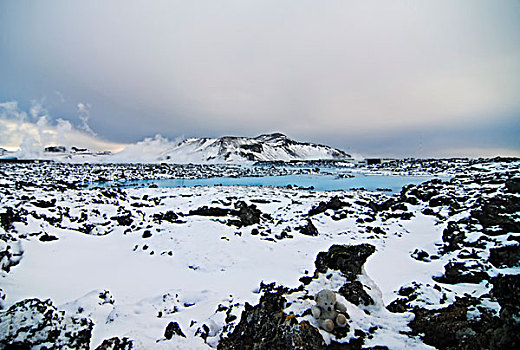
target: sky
380 78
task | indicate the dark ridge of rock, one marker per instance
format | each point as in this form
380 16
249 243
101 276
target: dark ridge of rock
10 252
453 327
10 216
399 305
493 212
265 326
44 204
346 258
210 211
32 323
443 200
506 290
308 229
453 237
513 185
248 214
123 220
116 344
508 256
334 203
172 329
354 292
420 255
458 272
47 238
168 216
382 206
449 328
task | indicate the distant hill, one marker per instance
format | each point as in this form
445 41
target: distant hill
231 149
228 149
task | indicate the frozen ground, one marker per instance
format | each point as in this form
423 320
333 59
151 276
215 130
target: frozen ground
135 260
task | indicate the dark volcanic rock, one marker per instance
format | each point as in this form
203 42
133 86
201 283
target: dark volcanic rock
458 272
123 220
116 344
449 328
308 229
334 203
9 217
508 256
453 237
169 216
172 329
266 326
506 290
345 258
10 252
354 292
35 323
48 238
513 185
44 204
210 211
495 212
248 214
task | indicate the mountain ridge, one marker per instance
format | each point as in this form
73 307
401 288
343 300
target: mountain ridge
226 149
265 147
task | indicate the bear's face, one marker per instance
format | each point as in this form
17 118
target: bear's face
326 299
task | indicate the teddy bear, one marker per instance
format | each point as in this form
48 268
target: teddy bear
329 312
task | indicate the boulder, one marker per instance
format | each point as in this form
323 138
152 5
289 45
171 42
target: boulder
265 326
349 259
35 323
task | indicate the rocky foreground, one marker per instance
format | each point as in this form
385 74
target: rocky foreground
434 266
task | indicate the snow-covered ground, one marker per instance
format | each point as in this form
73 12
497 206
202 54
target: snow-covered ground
115 257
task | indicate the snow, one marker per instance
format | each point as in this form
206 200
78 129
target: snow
132 286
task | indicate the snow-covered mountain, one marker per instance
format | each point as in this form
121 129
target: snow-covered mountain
228 149
267 147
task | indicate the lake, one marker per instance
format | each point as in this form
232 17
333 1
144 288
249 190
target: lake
317 182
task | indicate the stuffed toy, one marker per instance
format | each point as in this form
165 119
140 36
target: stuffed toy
328 311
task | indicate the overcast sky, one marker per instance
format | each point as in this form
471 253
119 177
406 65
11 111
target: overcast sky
394 78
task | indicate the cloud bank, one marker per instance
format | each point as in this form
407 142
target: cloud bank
29 133
338 72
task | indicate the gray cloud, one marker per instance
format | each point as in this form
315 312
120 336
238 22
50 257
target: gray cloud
334 70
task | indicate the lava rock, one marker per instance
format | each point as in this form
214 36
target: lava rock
458 272
308 229
48 238
248 214
421 255
169 216
334 203
453 237
508 256
513 185
348 259
35 323
354 292
265 326
172 329
116 344
10 216
123 220
210 211
44 204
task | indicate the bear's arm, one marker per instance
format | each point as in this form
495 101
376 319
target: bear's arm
316 311
341 307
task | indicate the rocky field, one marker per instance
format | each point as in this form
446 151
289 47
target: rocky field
434 266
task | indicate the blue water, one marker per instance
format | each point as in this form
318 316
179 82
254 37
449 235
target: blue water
318 182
